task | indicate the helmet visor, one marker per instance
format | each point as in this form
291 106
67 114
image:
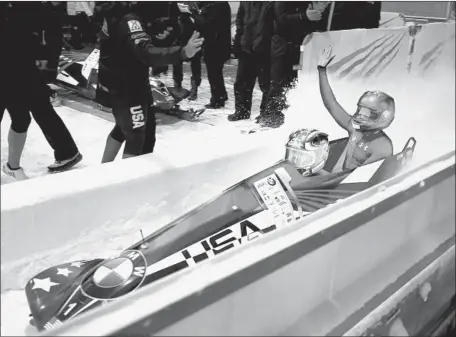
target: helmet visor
300 158
365 115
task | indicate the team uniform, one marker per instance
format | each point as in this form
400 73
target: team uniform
367 142
126 53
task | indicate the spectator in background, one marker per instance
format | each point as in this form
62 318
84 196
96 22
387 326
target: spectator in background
160 16
213 20
51 38
24 90
293 20
252 47
79 17
187 27
351 15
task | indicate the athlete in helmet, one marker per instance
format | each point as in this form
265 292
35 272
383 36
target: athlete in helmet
367 141
308 150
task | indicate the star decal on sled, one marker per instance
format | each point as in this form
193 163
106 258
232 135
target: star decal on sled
44 284
64 271
77 264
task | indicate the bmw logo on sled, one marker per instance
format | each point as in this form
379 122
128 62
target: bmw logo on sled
275 197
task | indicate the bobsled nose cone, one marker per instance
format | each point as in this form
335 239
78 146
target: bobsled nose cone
47 291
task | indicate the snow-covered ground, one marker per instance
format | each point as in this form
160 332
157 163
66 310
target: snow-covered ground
421 112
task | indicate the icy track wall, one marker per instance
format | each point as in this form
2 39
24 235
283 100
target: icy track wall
316 294
415 65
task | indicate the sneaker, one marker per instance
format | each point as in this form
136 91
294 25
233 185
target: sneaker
17 174
63 165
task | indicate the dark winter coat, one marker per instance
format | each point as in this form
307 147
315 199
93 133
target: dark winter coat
213 21
254 27
21 46
352 15
291 25
127 52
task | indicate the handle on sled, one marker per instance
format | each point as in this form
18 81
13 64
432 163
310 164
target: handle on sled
409 148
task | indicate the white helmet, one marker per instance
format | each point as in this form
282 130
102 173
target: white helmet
308 150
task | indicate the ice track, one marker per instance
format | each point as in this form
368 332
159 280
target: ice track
421 112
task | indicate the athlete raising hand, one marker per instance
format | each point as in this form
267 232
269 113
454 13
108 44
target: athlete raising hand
367 142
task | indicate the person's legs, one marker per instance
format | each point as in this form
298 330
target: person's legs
217 83
17 135
276 100
66 152
131 120
220 81
113 145
178 74
223 94
243 87
263 81
195 64
151 128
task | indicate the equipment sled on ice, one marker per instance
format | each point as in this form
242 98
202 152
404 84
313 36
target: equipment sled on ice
79 74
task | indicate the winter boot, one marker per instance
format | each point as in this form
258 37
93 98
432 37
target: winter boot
215 104
193 92
237 116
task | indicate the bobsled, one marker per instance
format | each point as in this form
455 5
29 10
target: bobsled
72 75
276 197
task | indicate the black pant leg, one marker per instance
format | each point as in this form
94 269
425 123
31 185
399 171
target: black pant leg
279 81
221 80
215 78
195 64
20 116
130 114
264 70
50 123
151 129
244 84
178 72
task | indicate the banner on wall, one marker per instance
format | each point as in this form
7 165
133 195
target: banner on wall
364 55
434 50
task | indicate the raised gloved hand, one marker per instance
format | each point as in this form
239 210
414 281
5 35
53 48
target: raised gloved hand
313 14
193 45
325 58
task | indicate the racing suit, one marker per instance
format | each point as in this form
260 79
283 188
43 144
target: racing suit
364 146
126 53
